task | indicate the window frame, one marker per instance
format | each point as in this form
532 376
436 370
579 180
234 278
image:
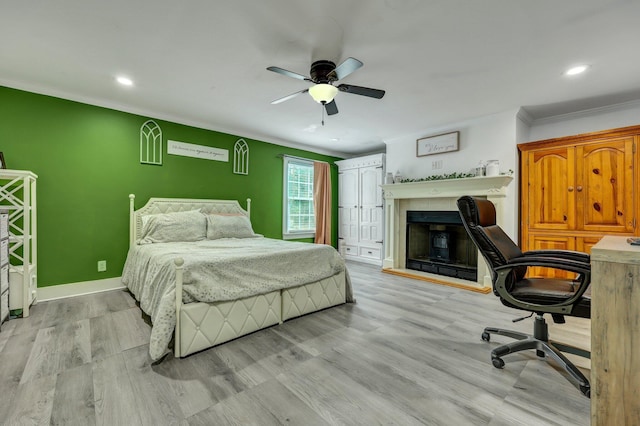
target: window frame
286 234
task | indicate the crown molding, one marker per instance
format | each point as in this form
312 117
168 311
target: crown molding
587 112
102 103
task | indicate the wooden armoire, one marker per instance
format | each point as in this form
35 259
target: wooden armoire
576 189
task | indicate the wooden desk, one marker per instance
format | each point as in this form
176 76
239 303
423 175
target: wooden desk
615 332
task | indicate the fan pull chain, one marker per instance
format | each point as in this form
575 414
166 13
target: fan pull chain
323 113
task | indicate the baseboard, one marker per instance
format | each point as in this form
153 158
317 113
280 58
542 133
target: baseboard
78 289
448 282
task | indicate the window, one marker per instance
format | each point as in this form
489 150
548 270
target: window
299 220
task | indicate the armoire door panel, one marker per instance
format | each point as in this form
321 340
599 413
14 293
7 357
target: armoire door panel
371 224
550 242
370 181
584 244
348 219
348 188
551 189
604 186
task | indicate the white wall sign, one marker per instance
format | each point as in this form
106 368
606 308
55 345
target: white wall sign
437 144
197 151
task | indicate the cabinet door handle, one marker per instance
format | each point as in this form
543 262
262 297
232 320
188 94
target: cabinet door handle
571 189
579 188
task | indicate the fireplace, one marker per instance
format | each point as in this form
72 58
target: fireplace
436 242
444 239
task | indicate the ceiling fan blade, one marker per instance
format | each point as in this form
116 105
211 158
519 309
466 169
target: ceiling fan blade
364 91
331 107
347 66
288 73
286 98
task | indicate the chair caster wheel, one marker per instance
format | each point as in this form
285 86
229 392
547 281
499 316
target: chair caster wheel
497 362
486 336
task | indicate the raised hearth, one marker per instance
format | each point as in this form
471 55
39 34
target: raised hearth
439 195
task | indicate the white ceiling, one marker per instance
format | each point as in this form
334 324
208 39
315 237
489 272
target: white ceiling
203 62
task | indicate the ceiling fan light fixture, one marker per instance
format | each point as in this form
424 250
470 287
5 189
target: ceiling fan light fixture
323 93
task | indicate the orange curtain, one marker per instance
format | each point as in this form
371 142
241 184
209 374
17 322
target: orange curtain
322 201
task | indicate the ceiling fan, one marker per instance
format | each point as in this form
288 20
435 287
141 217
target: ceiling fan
323 74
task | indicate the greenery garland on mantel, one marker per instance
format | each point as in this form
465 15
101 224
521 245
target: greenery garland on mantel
454 175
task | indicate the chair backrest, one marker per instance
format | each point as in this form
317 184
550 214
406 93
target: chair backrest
479 219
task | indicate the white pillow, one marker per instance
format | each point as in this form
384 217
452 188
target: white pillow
229 226
171 227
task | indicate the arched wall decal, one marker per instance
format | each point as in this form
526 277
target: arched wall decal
241 157
151 143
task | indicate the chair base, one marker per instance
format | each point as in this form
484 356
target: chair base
540 342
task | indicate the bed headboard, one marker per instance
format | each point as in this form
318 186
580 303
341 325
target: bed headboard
169 205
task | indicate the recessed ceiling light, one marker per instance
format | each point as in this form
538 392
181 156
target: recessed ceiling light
124 81
576 70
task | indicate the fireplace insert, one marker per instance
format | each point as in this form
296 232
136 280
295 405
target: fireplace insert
438 243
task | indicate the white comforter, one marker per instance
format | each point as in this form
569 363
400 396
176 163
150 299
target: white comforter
218 270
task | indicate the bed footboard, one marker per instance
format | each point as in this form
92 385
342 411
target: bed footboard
202 325
297 301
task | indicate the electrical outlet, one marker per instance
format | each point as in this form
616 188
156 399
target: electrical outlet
437 164
102 265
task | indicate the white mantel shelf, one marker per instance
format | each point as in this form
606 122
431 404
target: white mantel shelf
436 195
448 188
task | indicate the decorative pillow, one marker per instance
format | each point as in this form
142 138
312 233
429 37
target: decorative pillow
229 226
171 227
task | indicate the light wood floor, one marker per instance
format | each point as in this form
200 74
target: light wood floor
408 352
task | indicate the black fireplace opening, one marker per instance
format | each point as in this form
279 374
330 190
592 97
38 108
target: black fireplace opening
437 242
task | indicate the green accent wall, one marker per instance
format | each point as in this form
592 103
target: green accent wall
88 162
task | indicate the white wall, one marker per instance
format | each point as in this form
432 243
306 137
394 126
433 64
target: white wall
610 117
486 138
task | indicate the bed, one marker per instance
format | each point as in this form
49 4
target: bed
225 283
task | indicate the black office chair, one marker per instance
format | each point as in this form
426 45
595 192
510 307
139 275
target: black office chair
558 297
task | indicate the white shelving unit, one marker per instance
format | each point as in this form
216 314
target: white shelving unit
18 198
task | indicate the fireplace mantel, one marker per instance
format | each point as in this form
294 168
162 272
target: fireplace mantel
436 195
449 188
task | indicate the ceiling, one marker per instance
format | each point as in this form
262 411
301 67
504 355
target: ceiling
203 62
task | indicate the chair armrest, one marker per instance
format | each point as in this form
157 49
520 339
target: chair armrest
570 265
564 307
562 254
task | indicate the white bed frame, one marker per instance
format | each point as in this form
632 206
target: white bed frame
201 325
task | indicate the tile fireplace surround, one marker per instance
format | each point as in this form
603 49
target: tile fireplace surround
436 195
